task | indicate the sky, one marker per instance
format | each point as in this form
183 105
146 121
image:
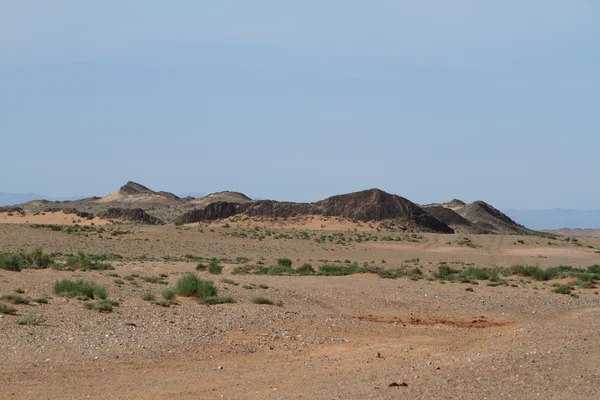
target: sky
431 100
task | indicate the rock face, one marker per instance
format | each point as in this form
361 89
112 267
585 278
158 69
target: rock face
213 211
130 214
452 219
368 205
489 219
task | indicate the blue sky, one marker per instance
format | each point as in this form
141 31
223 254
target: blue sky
432 100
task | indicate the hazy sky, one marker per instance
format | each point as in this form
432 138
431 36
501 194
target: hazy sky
431 100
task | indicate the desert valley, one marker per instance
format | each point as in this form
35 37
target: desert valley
364 295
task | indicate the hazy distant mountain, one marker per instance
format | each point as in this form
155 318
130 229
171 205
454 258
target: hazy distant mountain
556 218
9 199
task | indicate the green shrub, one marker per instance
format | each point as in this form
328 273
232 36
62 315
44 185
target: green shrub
41 300
445 272
469 289
102 306
119 281
263 286
6 309
201 267
148 296
284 262
229 282
163 303
214 267
191 286
15 298
30 319
305 269
154 279
85 289
563 289
10 262
262 300
594 269
218 300
337 270
168 294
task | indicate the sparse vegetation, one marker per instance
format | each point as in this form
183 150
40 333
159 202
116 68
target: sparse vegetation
214 267
79 289
6 309
102 305
262 300
30 319
148 296
191 286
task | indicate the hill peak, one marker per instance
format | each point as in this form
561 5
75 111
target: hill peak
134 188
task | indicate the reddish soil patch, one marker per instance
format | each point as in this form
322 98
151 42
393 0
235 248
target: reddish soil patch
476 322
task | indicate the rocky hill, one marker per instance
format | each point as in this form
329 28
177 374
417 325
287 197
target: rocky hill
367 205
137 203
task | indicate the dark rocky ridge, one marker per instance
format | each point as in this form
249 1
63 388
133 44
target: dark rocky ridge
488 218
130 214
452 219
367 205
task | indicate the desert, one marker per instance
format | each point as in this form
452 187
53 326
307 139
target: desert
376 299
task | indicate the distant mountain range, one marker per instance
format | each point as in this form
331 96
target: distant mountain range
9 199
556 218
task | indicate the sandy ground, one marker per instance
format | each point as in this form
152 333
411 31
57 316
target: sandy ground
55 218
333 337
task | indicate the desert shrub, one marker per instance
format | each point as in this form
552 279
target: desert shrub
305 269
337 270
540 274
243 270
262 300
30 319
284 262
79 288
563 289
218 300
445 272
280 270
469 289
148 296
15 298
201 267
102 306
154 279
6 309
190 285
163 303
10 262
168 294
119 281
594 269
88 262
214 267
229 282
263 286
41 300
